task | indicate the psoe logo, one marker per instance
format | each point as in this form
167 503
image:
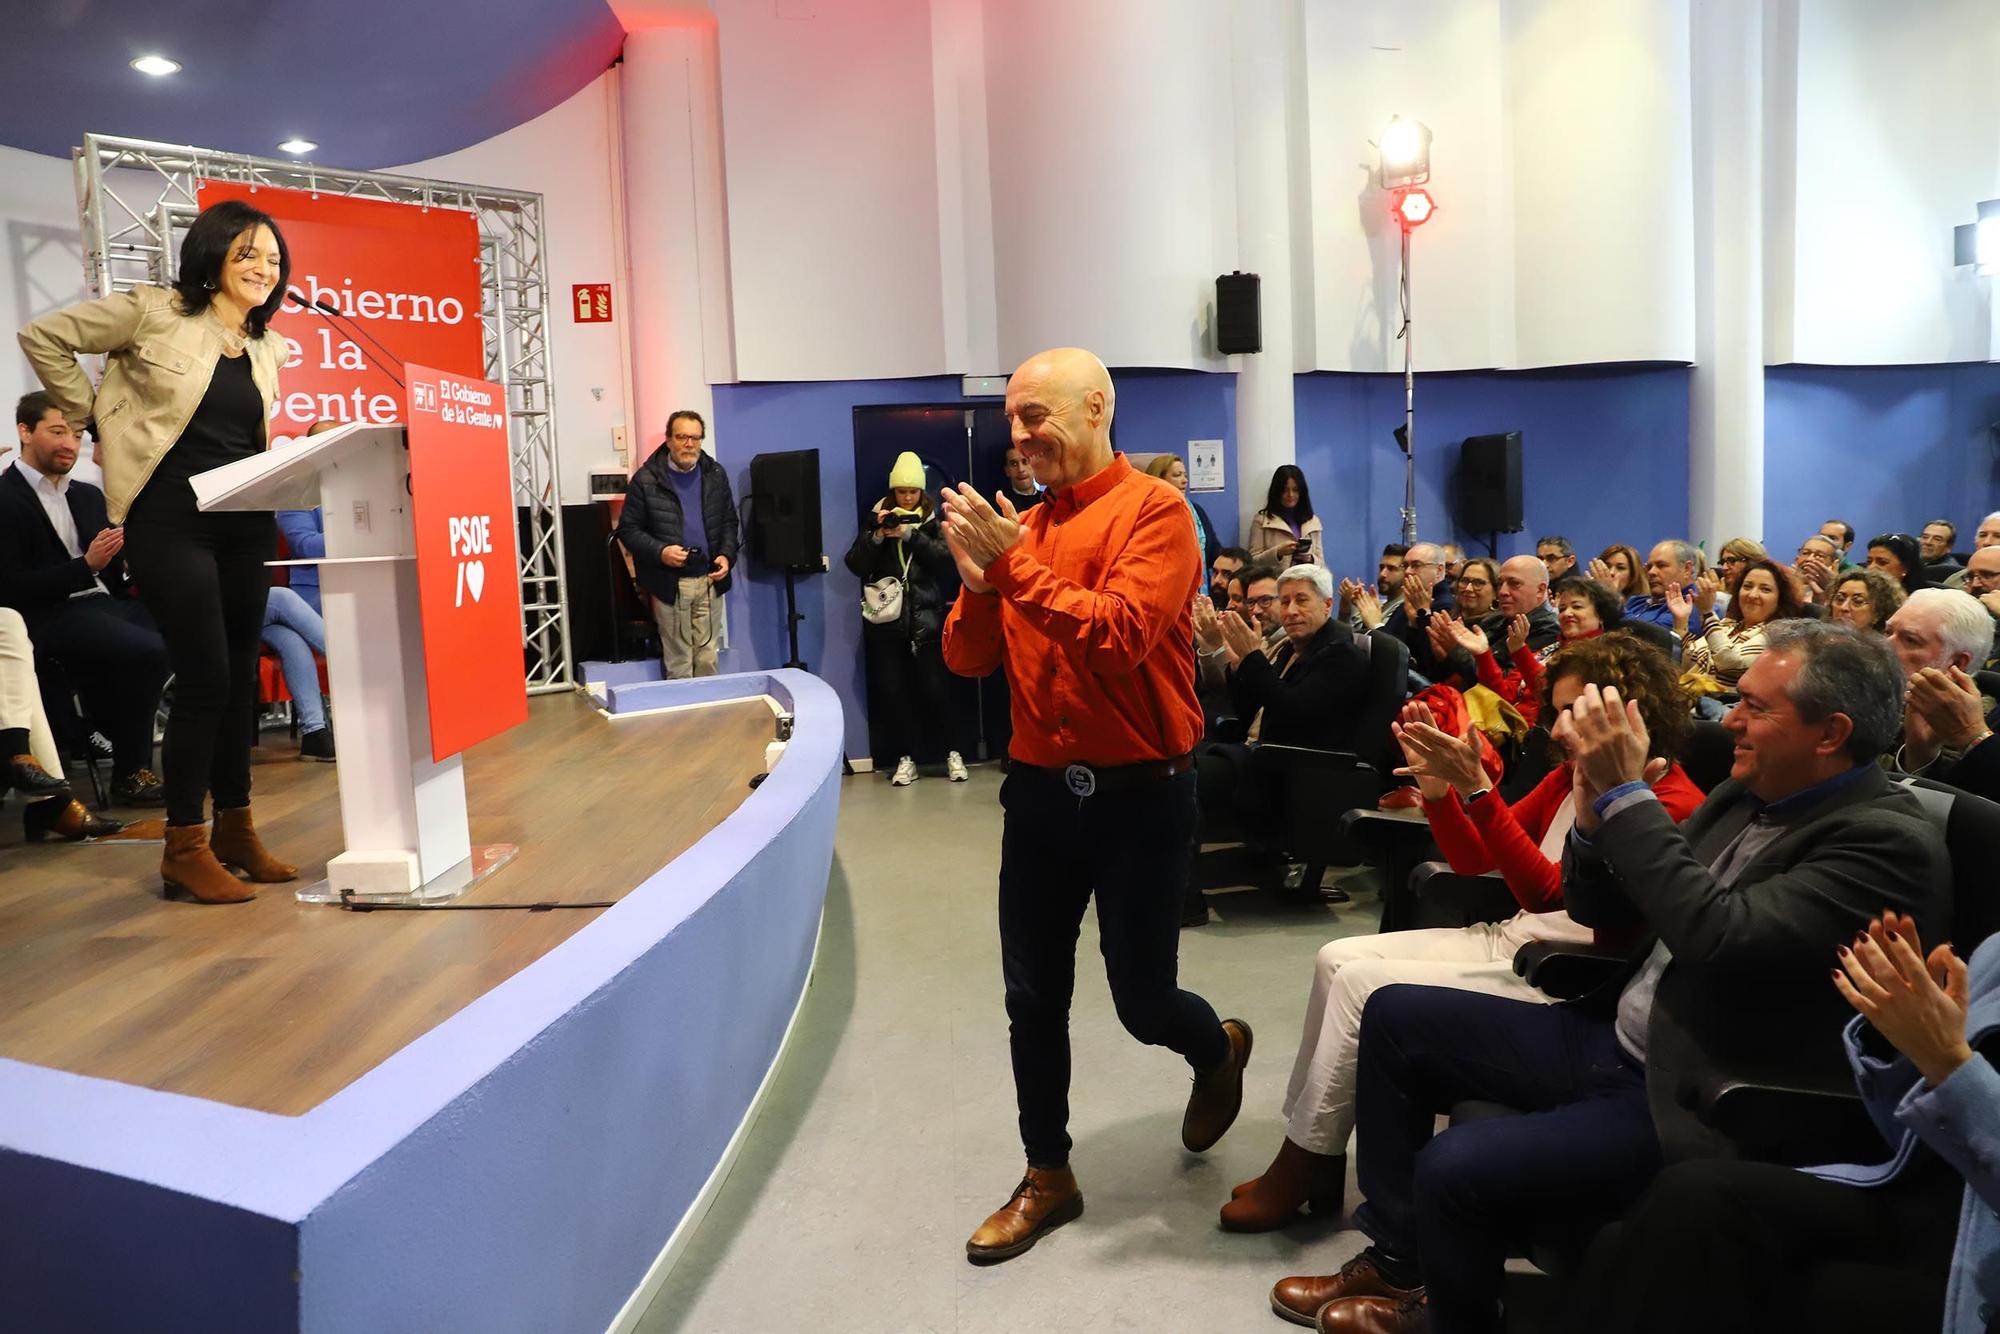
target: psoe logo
423 396
471 543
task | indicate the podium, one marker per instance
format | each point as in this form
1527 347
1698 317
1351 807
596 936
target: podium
402 812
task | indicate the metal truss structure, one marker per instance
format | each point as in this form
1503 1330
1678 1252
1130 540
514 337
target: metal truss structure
135 199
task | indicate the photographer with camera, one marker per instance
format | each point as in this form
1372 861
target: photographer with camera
679 523
904 568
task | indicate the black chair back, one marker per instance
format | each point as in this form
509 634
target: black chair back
1388 687
1658 636
1972 838
1710 754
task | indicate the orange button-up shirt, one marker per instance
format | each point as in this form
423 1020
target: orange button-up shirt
1090 612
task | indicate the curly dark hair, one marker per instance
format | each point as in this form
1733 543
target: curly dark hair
1609 606
1791 603
1641 671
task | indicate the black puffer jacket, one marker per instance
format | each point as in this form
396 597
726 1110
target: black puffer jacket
652 520
930 573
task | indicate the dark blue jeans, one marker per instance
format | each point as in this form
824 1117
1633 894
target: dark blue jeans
1460 1202
1129 847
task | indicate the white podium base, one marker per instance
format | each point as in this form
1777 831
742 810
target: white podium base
486 858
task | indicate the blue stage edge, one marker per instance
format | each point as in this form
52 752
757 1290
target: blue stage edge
519 1168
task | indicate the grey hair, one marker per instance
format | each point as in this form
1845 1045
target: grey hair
1687 553
1830 544
1315 575
1963 624
1994 517
1842 670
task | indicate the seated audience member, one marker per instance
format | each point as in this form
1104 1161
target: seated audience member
1252 591
1940 636
295 632
1841 534
1987 535
1307 691
29 763
305 539
1714 659
1559 555
1478 833
1934 544
1405 616
1895 554
1389 573
1745 904
1817 565
1453 556
1620 569
60 568
1170 469
1735 557
1982 580
1864 599
1021 488
1522 591
1672 564
1286 532
1908 1243
1584 609
1221 565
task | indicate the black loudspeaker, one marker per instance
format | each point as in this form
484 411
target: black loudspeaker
784 510
1489 483
1239 318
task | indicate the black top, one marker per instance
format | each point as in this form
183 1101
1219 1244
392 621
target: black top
226 425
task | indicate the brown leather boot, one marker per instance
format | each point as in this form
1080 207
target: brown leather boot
235 843
1218 1093
190 868
1046 1199
1295 1177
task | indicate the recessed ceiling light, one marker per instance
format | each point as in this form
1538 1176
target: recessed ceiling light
297 147
157 66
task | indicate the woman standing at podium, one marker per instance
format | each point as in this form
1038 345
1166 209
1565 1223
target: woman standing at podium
190 375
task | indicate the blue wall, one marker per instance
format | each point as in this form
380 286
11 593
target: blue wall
1157 411
1886 448
1603 457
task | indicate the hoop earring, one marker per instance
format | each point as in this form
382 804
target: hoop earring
209 286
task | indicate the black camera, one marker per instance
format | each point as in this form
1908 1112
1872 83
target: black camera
697 560
895 518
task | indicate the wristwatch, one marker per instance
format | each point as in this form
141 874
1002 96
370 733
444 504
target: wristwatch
1477 795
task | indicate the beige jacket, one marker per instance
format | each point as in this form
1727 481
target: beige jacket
158 363
1270 534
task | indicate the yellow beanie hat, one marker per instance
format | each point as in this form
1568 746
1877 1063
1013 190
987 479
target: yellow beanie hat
909 471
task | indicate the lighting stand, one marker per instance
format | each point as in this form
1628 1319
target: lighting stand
1409 404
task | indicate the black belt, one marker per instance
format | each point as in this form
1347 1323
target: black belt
1088 779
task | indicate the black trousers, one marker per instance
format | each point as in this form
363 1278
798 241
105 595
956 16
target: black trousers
1743 1248
203 577
1459 1202
909 693
1128 847
112 653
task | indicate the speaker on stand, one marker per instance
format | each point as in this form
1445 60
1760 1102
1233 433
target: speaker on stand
1489 485
784 526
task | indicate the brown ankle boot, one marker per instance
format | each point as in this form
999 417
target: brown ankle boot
190 868
236 844
1295 1177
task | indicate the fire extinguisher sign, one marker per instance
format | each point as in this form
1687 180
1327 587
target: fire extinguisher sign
591 303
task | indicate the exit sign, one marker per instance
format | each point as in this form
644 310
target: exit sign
591 303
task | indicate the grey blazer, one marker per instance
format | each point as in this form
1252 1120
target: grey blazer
1749 990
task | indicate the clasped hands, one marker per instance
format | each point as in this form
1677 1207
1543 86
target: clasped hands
1607 744
1942 708
977 533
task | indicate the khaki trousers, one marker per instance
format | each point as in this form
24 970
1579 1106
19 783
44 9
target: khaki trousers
687 630
21 695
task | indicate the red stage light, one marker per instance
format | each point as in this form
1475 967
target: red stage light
1413 207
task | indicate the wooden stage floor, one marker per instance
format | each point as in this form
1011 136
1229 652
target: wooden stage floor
276 1005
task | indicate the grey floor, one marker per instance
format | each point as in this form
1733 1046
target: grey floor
889 1131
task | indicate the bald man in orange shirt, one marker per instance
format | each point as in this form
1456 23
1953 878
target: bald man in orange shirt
1087 601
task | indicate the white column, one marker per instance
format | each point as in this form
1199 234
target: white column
1726 394
674 210
1264 34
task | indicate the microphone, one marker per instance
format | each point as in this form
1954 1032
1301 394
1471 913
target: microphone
331 314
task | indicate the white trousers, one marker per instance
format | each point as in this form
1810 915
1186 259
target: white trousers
1319 1103
20 696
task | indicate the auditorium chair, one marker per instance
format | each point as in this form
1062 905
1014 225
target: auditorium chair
1659 636
70 726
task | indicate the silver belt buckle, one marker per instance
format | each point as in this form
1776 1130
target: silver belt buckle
1082 782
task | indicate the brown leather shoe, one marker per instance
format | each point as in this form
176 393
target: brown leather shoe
190 868
1295 1178
1299 1299
1374 1315
25 774
1046 1199
65 818
235 843
1218 1093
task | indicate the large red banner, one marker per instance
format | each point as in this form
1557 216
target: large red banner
462 493
405 276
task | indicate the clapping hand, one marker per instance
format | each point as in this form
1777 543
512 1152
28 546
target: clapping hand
1517 634
1813 568
1470 638
1917 1003
1679 607
1237 636
1441 628
1416 597
1368 607
1942 708
1706 585
1207 629
1600 570
977 533
106 545
1434 757
1349 589
1607 744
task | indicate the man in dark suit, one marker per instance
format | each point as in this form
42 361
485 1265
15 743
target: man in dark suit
1746 904
60 568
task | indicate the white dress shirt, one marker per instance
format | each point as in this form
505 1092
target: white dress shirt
53 492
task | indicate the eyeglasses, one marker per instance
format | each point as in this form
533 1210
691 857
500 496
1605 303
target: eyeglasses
1849 600
1470 582
1735 560
1264 603
687 439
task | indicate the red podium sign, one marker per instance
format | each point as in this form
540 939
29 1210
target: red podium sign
462 491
